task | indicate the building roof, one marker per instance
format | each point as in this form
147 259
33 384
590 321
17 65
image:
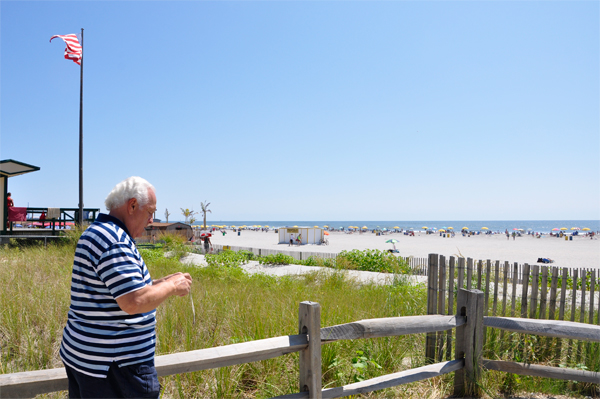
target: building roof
10 168
157 224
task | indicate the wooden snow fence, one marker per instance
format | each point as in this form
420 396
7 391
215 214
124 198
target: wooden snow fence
418 266
466 362
509 289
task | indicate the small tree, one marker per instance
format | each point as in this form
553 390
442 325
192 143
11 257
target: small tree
188 214
167 214
204 205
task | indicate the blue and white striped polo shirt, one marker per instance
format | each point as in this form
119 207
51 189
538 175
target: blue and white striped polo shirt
107 265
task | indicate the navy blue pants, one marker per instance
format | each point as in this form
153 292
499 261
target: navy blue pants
135 381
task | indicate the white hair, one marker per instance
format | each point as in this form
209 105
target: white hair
132 187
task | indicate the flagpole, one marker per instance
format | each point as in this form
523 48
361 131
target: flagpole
80 221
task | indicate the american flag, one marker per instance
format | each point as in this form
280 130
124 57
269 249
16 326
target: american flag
73 51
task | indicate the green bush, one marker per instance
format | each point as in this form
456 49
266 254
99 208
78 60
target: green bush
175 244
228 258
278 259
371 260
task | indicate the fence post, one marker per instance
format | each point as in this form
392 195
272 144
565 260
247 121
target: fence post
309 322
432 277
469 273
450 306
469 342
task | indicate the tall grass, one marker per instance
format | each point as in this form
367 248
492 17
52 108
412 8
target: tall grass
230 307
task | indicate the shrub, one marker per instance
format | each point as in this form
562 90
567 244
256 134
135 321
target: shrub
278 259
371 260
228 258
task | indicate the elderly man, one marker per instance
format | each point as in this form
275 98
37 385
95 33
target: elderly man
109 341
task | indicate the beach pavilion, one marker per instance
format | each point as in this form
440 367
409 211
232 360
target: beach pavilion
10 168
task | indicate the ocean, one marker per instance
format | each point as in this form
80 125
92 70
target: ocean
542 226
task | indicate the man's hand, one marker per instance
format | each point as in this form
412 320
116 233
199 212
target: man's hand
149 297
182 282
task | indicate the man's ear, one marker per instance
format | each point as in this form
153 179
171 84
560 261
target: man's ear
131 205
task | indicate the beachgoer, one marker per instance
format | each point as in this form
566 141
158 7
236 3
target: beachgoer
43 218
109 341
206 243
291 240
9 203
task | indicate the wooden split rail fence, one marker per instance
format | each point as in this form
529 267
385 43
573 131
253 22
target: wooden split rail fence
467 364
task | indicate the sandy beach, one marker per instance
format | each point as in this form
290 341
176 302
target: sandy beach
581 252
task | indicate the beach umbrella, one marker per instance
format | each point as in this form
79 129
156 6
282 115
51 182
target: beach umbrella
484 228
555 229
392 241
442 230
465 228
326 233
424 227
450 228
585 229
317 226
325 226
575 228
396 227
564 228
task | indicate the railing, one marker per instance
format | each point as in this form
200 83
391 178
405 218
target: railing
66 215
469 323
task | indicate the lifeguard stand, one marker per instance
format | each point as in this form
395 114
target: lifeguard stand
10 168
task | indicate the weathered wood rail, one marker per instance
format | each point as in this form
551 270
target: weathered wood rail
469 323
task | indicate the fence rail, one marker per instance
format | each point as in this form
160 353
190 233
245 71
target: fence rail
467 364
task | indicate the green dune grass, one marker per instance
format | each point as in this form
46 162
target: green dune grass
230 307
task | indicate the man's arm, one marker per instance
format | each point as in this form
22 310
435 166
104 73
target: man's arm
149 297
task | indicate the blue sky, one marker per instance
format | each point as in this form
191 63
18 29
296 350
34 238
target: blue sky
306 110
